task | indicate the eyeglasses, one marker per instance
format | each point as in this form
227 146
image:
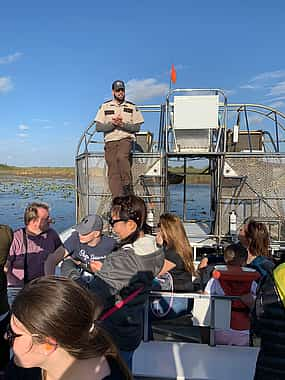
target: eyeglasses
120 90
10 335
112 222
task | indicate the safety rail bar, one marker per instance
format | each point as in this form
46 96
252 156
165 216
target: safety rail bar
197 296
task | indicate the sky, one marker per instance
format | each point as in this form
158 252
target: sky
59 58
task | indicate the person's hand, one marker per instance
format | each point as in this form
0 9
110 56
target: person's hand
117 121
159 239
95 265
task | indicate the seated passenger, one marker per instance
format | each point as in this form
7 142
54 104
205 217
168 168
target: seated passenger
6 237
31 247
87 246
53 326
233 280
178 268
255 237
126 273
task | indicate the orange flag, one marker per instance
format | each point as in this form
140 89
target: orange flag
173 74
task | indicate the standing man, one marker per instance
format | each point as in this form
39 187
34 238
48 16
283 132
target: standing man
30 247
119 119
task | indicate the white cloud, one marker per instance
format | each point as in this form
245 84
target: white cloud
278 89
253 119
140 90
270 82
268 76
229 92
22 135
5 84
35 149
248 87
277 98
41 120
10 58
278 104
23 127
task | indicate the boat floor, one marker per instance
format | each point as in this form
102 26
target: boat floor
177 352
199 232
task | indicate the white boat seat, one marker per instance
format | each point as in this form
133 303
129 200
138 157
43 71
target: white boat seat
193 119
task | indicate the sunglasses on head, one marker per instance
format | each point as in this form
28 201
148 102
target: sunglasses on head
112 222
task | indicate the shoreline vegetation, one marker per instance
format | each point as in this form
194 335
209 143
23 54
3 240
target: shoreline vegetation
37 172
193 175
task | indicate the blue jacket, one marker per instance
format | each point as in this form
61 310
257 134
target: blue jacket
262 265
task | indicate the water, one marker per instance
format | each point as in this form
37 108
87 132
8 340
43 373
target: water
17 192
197 201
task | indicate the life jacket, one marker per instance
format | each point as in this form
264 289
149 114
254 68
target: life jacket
237 281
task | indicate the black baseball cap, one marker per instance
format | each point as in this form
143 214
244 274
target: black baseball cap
89 224
118 84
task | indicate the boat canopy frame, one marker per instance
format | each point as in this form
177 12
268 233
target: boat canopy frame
232 143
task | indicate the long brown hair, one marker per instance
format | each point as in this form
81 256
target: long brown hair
258 238
59 308
174 235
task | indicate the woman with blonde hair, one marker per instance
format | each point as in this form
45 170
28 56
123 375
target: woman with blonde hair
53 326
178 266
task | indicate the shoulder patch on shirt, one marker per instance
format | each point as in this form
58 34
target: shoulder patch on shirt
107 101
129 110
109 112
127 101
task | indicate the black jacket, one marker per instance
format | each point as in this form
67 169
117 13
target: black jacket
125 270
6 237
268 322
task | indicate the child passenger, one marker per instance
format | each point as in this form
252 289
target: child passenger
233 280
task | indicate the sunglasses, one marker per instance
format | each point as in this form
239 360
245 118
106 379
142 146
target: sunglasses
112 222
10 335
120 90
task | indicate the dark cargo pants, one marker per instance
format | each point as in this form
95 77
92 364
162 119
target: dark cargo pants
117 156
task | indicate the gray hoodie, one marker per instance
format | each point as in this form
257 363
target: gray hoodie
125 270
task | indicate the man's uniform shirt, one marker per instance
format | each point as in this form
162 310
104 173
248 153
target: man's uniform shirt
131 115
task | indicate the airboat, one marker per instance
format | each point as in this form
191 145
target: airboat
237 152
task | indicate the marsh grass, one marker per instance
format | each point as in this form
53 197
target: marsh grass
37 172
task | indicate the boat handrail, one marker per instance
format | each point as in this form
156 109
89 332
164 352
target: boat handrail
213 311
271 114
